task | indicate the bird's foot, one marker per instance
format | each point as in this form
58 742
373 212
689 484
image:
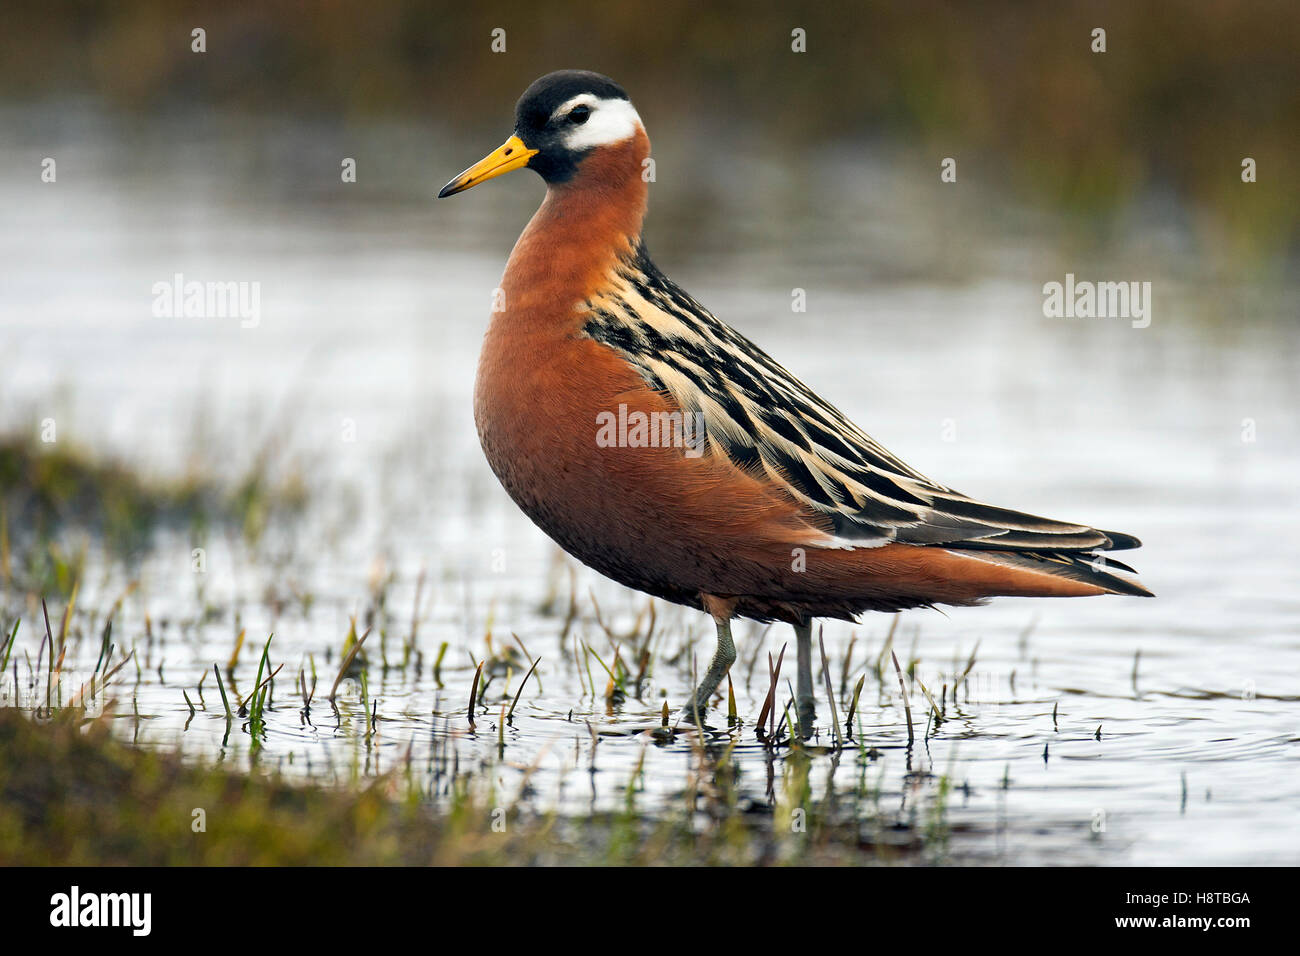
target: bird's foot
693 713
806 709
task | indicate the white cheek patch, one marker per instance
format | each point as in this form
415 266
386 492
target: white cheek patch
611 121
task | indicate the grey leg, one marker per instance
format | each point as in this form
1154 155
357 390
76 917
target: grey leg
723 658
806 702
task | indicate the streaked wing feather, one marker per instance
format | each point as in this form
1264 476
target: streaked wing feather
764 419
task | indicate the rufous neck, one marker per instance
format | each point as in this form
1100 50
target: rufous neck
582 228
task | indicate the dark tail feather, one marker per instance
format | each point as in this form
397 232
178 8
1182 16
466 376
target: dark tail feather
1086 568
1119 541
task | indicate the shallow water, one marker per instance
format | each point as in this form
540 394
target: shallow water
924 324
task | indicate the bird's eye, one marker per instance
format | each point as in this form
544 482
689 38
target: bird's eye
579 114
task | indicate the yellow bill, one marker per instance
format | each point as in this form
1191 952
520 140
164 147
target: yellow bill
512 154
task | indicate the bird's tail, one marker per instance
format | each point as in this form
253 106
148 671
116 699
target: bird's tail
1093 570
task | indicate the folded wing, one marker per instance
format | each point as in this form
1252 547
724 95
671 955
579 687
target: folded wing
769 423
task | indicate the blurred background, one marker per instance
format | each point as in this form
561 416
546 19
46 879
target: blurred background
1147 130
326 452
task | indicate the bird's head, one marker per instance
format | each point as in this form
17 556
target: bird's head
561 122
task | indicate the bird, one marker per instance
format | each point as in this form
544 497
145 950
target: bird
664 449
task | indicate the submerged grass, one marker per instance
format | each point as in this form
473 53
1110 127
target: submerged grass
72 794
451 788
